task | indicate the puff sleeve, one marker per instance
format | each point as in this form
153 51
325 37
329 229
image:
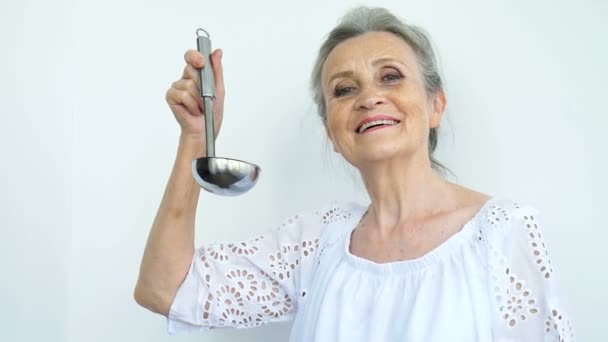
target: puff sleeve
524 283
247 283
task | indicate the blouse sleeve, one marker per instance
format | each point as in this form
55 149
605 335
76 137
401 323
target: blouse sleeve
525 284
248 283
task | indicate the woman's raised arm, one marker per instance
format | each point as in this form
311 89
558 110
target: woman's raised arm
170 247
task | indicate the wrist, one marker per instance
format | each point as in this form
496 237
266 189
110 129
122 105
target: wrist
184 136
194 145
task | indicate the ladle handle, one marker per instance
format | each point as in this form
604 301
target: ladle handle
207 89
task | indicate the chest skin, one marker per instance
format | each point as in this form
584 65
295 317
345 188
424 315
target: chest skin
409 241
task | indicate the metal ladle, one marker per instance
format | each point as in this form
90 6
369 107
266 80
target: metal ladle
221 176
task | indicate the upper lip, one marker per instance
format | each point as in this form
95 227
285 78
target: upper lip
374 118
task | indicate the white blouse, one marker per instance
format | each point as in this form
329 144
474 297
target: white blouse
491 281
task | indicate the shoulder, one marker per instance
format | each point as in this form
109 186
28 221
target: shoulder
504 212
339 211
331 216
505 223
514 230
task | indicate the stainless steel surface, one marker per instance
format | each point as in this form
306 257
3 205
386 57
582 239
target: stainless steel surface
209 127
221 176
203 44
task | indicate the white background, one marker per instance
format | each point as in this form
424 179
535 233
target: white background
88 142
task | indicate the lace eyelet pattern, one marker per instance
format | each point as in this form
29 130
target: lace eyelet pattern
241 294
518 291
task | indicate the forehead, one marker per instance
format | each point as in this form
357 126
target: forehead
364 49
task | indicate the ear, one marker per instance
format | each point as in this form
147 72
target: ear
440 103
330 137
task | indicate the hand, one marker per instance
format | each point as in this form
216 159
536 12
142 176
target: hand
184 96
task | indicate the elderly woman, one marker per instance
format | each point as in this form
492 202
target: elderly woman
426 260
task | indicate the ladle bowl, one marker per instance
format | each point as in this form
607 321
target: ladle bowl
224 176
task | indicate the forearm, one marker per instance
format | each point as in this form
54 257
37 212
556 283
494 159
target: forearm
170 246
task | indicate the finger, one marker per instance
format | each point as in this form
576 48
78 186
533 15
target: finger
178 97
194 58
191 87
192 73
218 72
191 103
179 109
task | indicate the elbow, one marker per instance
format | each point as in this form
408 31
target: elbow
154 302
140 297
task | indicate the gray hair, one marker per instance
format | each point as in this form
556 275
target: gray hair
361 20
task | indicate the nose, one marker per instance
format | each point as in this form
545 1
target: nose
370 97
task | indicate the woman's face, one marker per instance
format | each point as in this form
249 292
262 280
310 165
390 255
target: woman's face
377 106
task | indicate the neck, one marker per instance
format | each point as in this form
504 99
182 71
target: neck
403 191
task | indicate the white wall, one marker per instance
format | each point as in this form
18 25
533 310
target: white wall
88 142
35 165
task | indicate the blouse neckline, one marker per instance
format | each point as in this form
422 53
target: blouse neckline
443 250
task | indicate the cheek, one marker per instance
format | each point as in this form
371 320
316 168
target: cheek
335 117
417 120
329 126
336 131
333 109
415 108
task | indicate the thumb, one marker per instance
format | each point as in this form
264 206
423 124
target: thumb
218 71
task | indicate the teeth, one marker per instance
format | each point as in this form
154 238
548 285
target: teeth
375 123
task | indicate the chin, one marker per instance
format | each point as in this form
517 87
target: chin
379 153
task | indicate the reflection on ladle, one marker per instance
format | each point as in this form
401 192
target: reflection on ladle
221 176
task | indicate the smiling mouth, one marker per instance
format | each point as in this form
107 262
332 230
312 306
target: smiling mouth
376 124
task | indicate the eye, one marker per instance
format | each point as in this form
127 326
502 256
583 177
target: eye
342 91
392 76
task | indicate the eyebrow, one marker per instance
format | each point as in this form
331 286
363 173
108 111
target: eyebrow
348 73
